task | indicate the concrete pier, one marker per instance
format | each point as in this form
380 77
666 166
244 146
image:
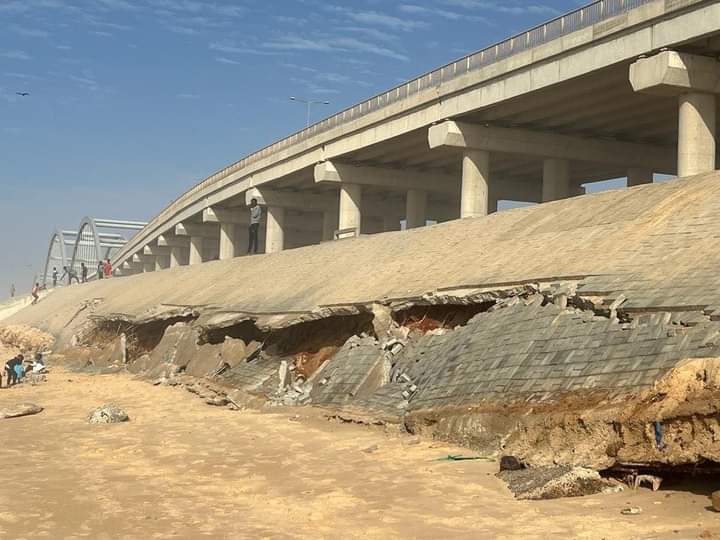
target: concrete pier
275 229
637 176
475 181
696 133
350 215
196 249
416 213
556 180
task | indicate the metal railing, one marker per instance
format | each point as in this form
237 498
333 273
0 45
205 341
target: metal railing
578 19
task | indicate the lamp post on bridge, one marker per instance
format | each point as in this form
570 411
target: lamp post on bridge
309 103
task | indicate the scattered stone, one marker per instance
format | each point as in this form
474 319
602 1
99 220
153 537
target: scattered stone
371 449
21 409
631 511
510 463
108 414
653 481
716 500
283 375
554 482
217 401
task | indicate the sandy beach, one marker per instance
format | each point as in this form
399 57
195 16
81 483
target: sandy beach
183 469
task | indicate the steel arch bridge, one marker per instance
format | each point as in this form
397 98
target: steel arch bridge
94 240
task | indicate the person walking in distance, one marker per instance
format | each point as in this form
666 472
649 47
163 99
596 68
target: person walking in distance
55 276
12 290
83 273
255 217
107 269
35 293
100 270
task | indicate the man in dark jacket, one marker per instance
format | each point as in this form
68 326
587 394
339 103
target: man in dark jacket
10 369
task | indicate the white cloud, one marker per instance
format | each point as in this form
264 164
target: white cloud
230 61
437 12
332 44
15 55
376 18
188 96
511 8
30 32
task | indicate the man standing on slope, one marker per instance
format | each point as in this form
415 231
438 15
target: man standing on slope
255 217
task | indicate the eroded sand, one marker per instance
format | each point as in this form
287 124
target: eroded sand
183 469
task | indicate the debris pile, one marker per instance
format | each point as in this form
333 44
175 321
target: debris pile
556 482
25 338
107 414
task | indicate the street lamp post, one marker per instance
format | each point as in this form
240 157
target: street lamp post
309 103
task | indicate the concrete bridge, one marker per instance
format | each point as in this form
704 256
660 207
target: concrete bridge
618 88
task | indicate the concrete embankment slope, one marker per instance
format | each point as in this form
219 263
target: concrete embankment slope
582 331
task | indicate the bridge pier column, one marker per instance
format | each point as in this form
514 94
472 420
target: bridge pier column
162 262
228 239
637 176
696 133
274 229
330 224
416 208
475 183
695 80
350 216
148 263
196 249
391 223
556 180
179 256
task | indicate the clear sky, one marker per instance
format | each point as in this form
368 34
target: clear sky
133 101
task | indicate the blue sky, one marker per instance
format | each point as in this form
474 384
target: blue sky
133 101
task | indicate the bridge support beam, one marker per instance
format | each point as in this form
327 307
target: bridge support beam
391 223
549 145
162 262
475 184
148 263
416 208
330 223
695 80
638 176
179 256
228 239
230 235
556 180
275 229
350 209
196 249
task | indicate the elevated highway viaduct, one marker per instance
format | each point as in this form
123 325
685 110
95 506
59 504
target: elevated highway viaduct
618 88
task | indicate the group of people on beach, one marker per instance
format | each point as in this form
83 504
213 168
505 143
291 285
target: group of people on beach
17 367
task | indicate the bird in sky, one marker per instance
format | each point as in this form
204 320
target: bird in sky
23 94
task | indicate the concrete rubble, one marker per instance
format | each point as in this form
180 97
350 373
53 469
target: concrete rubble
21 409
107 414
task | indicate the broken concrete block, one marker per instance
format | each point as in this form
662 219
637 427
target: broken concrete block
107 414
284 376
233 351
21 409
715 497
554 482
